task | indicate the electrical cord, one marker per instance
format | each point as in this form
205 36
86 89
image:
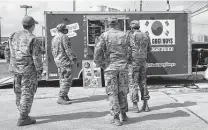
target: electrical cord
188 85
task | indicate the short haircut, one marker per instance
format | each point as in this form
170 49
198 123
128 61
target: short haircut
27 26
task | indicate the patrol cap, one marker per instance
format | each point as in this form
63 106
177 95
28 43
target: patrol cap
28 21
112 21
135 23
61 26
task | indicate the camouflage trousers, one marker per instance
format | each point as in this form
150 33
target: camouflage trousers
25 87
116 85
137 77
65 79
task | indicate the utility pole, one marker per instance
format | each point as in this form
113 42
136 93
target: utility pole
168 5
134 4
26 7
74 5
0 30
140 5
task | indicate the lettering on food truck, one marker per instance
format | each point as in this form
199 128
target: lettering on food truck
161 33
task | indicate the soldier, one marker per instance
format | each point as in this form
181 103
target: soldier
111 54
64 58
140 46
24 55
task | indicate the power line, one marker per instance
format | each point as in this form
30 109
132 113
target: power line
200 9
192 4
199 13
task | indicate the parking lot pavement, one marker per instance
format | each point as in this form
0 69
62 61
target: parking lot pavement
90 111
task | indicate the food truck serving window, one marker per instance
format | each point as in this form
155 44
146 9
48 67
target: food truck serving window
97 24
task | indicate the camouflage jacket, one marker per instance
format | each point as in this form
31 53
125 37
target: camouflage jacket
62 51
140 45
24 53
112 51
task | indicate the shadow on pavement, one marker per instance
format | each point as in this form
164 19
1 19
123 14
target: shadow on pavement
90 98
70 116
159 116
173 105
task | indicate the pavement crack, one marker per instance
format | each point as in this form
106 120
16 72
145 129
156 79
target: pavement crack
205 121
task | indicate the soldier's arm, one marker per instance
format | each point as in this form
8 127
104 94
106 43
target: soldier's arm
68 49
99 52
128 48
149 47
7 53
37 55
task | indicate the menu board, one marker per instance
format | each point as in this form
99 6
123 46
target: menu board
93 33
91 74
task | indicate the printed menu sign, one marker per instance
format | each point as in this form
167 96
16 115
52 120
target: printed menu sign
91 75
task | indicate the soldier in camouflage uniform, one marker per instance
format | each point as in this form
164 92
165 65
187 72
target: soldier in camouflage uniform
140 46
111 54
64 58
25 63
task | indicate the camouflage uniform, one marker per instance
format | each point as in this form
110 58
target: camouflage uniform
24 56
140 45
64 58
111 53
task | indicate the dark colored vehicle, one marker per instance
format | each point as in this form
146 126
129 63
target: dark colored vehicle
170 35
199 55
2 47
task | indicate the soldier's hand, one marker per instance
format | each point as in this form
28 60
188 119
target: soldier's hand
39 74
78 63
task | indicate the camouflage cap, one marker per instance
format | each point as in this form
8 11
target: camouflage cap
28 21
61 26
134 23
112 20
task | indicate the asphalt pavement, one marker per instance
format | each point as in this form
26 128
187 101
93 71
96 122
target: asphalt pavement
171 109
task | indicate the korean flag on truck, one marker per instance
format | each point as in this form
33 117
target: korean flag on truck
161 32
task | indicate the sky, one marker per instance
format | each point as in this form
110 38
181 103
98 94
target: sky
12 14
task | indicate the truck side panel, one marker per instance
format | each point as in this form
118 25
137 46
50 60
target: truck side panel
52 20
180 55
181 52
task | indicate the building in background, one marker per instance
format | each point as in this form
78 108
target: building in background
104 8
200 38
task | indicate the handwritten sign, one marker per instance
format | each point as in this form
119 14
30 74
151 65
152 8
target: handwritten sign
53 31
71 34
71 28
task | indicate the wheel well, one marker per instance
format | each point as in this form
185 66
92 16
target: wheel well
80 75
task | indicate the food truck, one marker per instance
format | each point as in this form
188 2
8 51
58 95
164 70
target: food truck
170 34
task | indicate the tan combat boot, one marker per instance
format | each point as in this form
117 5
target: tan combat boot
61 100
116 121
145 106
124 117
67 98
135 107
25 120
